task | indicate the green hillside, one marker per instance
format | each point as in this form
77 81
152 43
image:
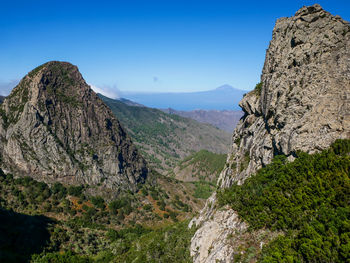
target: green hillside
165 139
61 223
307 200
201 169
200 166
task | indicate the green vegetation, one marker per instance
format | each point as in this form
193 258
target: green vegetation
62 224
258 89
36 70
16 101
169 244
164 139
203 189
136 244
57 257
205 162
238 141
308 199
245 162
201 169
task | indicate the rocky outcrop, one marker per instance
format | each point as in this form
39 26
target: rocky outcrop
302 103
207 244
53 127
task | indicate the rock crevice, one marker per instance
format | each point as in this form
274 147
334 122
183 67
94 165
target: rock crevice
55 128
302 104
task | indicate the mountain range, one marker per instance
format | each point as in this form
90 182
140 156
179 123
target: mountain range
222 98
224 119
85 178
165 139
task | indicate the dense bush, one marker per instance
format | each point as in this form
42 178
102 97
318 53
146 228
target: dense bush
203 189
169 244
309 199
75 190
66 257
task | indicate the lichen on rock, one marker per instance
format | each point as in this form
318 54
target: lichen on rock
304 104
56 129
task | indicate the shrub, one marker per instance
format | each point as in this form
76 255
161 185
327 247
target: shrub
309 199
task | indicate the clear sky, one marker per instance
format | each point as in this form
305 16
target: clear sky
145 45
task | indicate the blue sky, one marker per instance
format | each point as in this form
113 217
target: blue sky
145 45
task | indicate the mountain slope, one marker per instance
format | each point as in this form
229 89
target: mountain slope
2 99
287 197
63 222
301 104
225 120
53 127
164 139
200 166
222 98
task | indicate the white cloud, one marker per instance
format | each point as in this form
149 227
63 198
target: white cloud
6 87
107 91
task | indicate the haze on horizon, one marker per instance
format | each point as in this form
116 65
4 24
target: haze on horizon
147 46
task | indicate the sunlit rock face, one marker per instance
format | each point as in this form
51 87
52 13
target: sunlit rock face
303 104
56 129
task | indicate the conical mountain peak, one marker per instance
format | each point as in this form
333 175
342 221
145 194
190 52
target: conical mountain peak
55 128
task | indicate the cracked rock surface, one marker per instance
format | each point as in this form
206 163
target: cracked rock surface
303 105
54 128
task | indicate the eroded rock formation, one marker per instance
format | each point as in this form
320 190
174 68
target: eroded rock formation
53 127
303 103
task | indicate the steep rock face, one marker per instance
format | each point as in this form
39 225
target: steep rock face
55 128
303 102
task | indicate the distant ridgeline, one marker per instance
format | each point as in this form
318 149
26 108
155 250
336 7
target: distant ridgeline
224 119
222 98
165 139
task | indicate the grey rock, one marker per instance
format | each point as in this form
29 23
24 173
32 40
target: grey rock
56 129
304 104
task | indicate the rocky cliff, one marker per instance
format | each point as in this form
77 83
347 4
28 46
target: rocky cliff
302 103
53 127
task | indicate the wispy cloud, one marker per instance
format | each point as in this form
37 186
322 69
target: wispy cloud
108 91
6 87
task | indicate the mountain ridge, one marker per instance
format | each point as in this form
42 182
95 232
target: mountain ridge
164 139
222 119
222 98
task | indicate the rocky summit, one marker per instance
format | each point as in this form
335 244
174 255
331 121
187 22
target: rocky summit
301 104
56 129
303 100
